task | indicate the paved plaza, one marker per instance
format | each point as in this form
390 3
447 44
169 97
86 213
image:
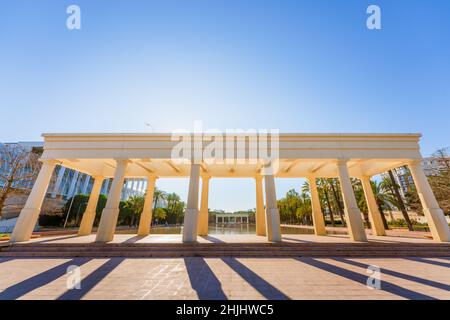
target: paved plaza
225 278
393 237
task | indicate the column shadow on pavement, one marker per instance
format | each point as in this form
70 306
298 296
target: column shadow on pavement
362 279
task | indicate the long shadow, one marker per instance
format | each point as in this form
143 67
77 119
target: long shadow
212 239
134 239
55 239
362 279
203 280
39 280
91 280
262 286
397 274
433 262
296 240
445 258
2 260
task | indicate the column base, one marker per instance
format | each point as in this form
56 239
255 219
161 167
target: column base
190 225
320 231
379 233
25 224
144 232
438 224
260 227
202 229
273 225
86 224
355 225
107 227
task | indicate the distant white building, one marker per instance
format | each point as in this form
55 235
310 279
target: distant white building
431 166
67 182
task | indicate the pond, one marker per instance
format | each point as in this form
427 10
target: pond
233 229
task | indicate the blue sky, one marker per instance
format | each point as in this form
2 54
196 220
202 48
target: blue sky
297 66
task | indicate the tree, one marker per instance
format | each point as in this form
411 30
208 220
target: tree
442 158
334 185
440 182
135 204
74 208
18 169
158 195
400 203
383 199
361 199
160 214
175 208
295 208
323 189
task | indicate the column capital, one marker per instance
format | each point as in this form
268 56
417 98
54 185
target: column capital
414 162
50 162
206 176
342 161
122 161
97 177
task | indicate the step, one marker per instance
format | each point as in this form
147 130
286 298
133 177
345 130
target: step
225 253
206 249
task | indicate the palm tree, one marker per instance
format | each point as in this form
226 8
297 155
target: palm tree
361 199
175 207
392 186
158 195
135 204
323 189
383 199
334 185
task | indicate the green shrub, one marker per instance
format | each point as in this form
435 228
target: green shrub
46 220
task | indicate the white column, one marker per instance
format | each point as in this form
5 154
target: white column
191 214
86 184
260 216
58 181
272 213
134 187
30 213
73 184
140 186
352 214
317 215
203 215
434 214
146 215
89 214
374 214
105 186
110 213
125 190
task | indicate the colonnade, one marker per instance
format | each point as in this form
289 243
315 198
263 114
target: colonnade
196 218
231 218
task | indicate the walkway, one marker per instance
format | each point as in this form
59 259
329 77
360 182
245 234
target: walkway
225 278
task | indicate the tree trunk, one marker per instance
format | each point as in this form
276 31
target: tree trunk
5 191
132 220
400 202
338 203
327 199
383 218
2 202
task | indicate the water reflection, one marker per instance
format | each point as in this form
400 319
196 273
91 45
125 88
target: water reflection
231 229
